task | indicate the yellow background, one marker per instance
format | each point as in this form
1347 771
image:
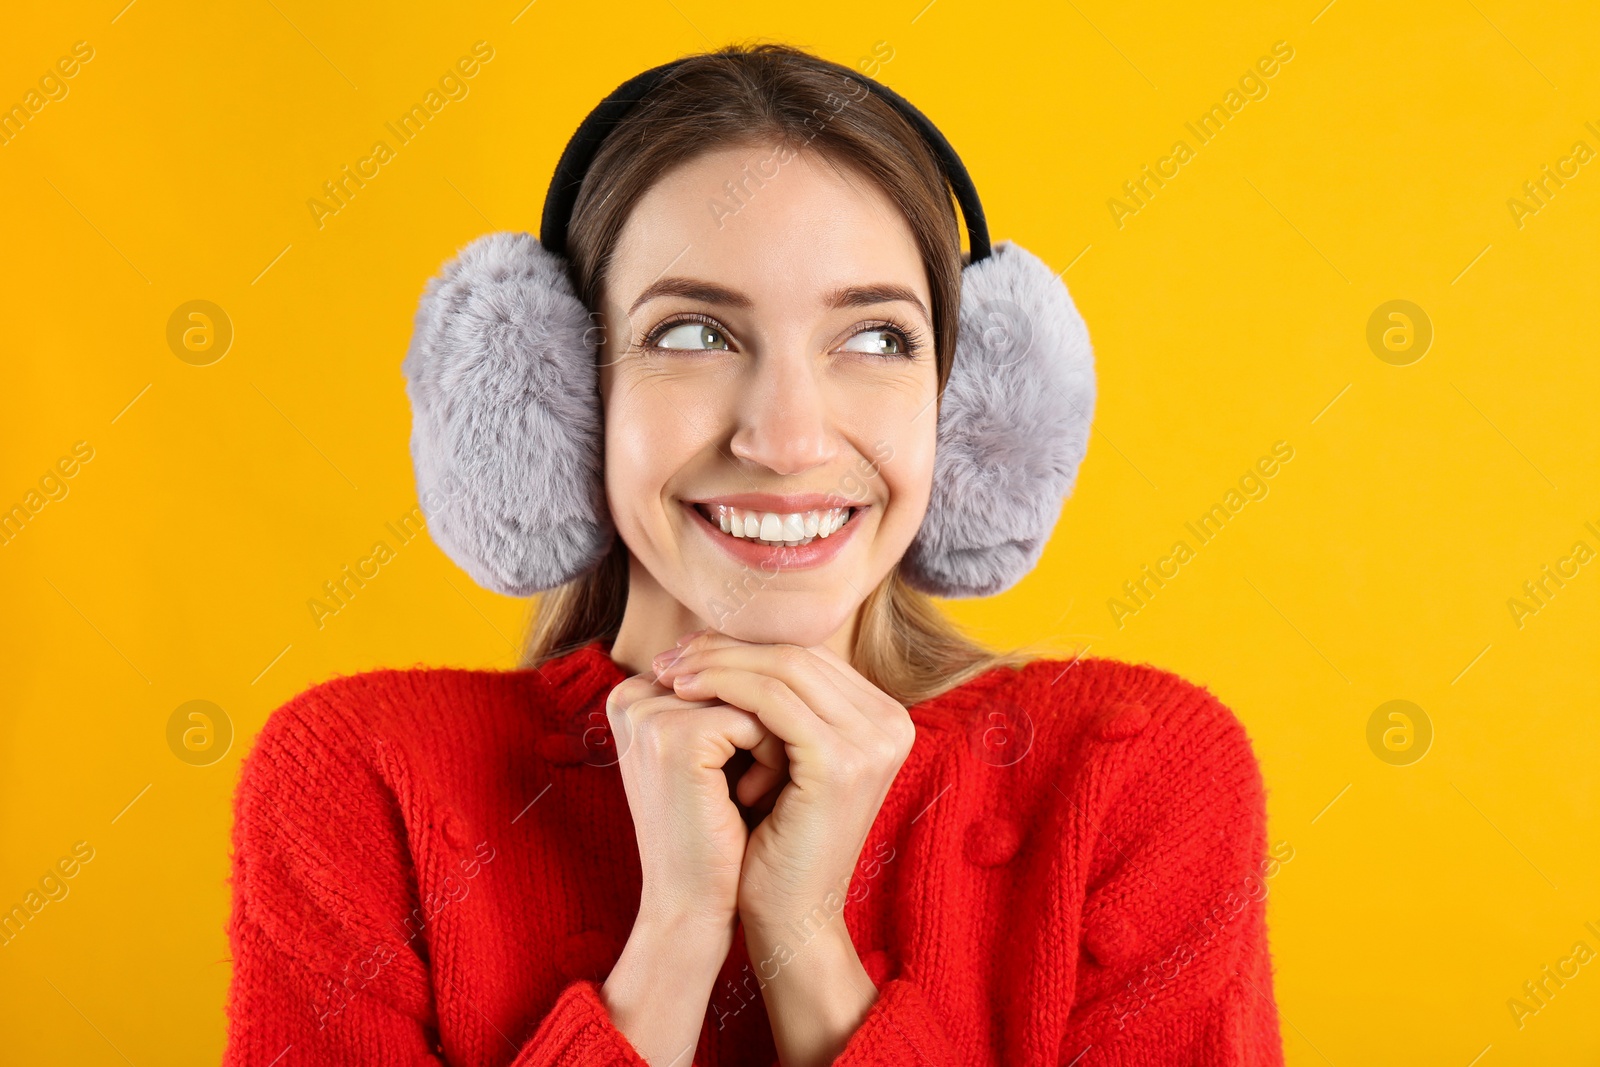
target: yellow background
1230 312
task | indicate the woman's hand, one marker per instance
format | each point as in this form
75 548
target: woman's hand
845 740
691 838
671 752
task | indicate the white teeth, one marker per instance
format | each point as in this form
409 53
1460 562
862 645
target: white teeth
792 528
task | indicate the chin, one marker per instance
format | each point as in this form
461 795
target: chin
771 618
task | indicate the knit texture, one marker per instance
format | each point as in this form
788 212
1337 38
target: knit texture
438 866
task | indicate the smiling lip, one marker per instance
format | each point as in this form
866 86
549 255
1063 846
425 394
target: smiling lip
771 558
780 503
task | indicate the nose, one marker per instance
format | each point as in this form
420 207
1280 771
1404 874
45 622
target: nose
783 417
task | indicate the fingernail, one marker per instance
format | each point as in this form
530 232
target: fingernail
666 659
685 679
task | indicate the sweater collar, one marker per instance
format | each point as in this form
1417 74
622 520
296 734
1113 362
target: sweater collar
576 678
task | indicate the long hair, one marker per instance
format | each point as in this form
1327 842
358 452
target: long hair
776 94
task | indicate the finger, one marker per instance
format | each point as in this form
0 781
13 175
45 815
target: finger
852 677
711 634
633 688
818 685
769 698
769 752
768 800
870 711
759 780
666 712
708 732
885 712
694 639
638 701
711 638
877 705
740 728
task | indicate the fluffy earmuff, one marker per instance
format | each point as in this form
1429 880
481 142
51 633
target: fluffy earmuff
1013 428
506 421
507 440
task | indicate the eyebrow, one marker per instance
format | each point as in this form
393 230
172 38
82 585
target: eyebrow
847 296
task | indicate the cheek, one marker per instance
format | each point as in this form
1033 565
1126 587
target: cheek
647 442
629 473
904 459
910 477
893 429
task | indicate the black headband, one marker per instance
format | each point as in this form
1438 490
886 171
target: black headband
585 143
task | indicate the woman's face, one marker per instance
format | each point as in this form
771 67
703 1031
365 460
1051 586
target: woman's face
768 367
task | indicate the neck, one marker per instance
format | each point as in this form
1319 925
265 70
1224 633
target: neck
654 619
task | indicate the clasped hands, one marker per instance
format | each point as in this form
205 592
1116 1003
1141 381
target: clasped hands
825 740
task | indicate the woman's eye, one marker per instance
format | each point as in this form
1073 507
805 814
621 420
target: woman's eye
878 341
692 335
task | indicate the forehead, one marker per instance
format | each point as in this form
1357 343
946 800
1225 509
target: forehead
740 217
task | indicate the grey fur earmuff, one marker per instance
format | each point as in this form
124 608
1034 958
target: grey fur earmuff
507 437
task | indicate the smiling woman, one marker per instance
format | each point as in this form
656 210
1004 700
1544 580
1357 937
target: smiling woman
798 336
828 827
816 327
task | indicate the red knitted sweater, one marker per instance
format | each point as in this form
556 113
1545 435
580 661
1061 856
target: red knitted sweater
438 866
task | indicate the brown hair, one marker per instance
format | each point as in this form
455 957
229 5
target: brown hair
776 94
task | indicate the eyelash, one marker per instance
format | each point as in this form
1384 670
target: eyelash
911 339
